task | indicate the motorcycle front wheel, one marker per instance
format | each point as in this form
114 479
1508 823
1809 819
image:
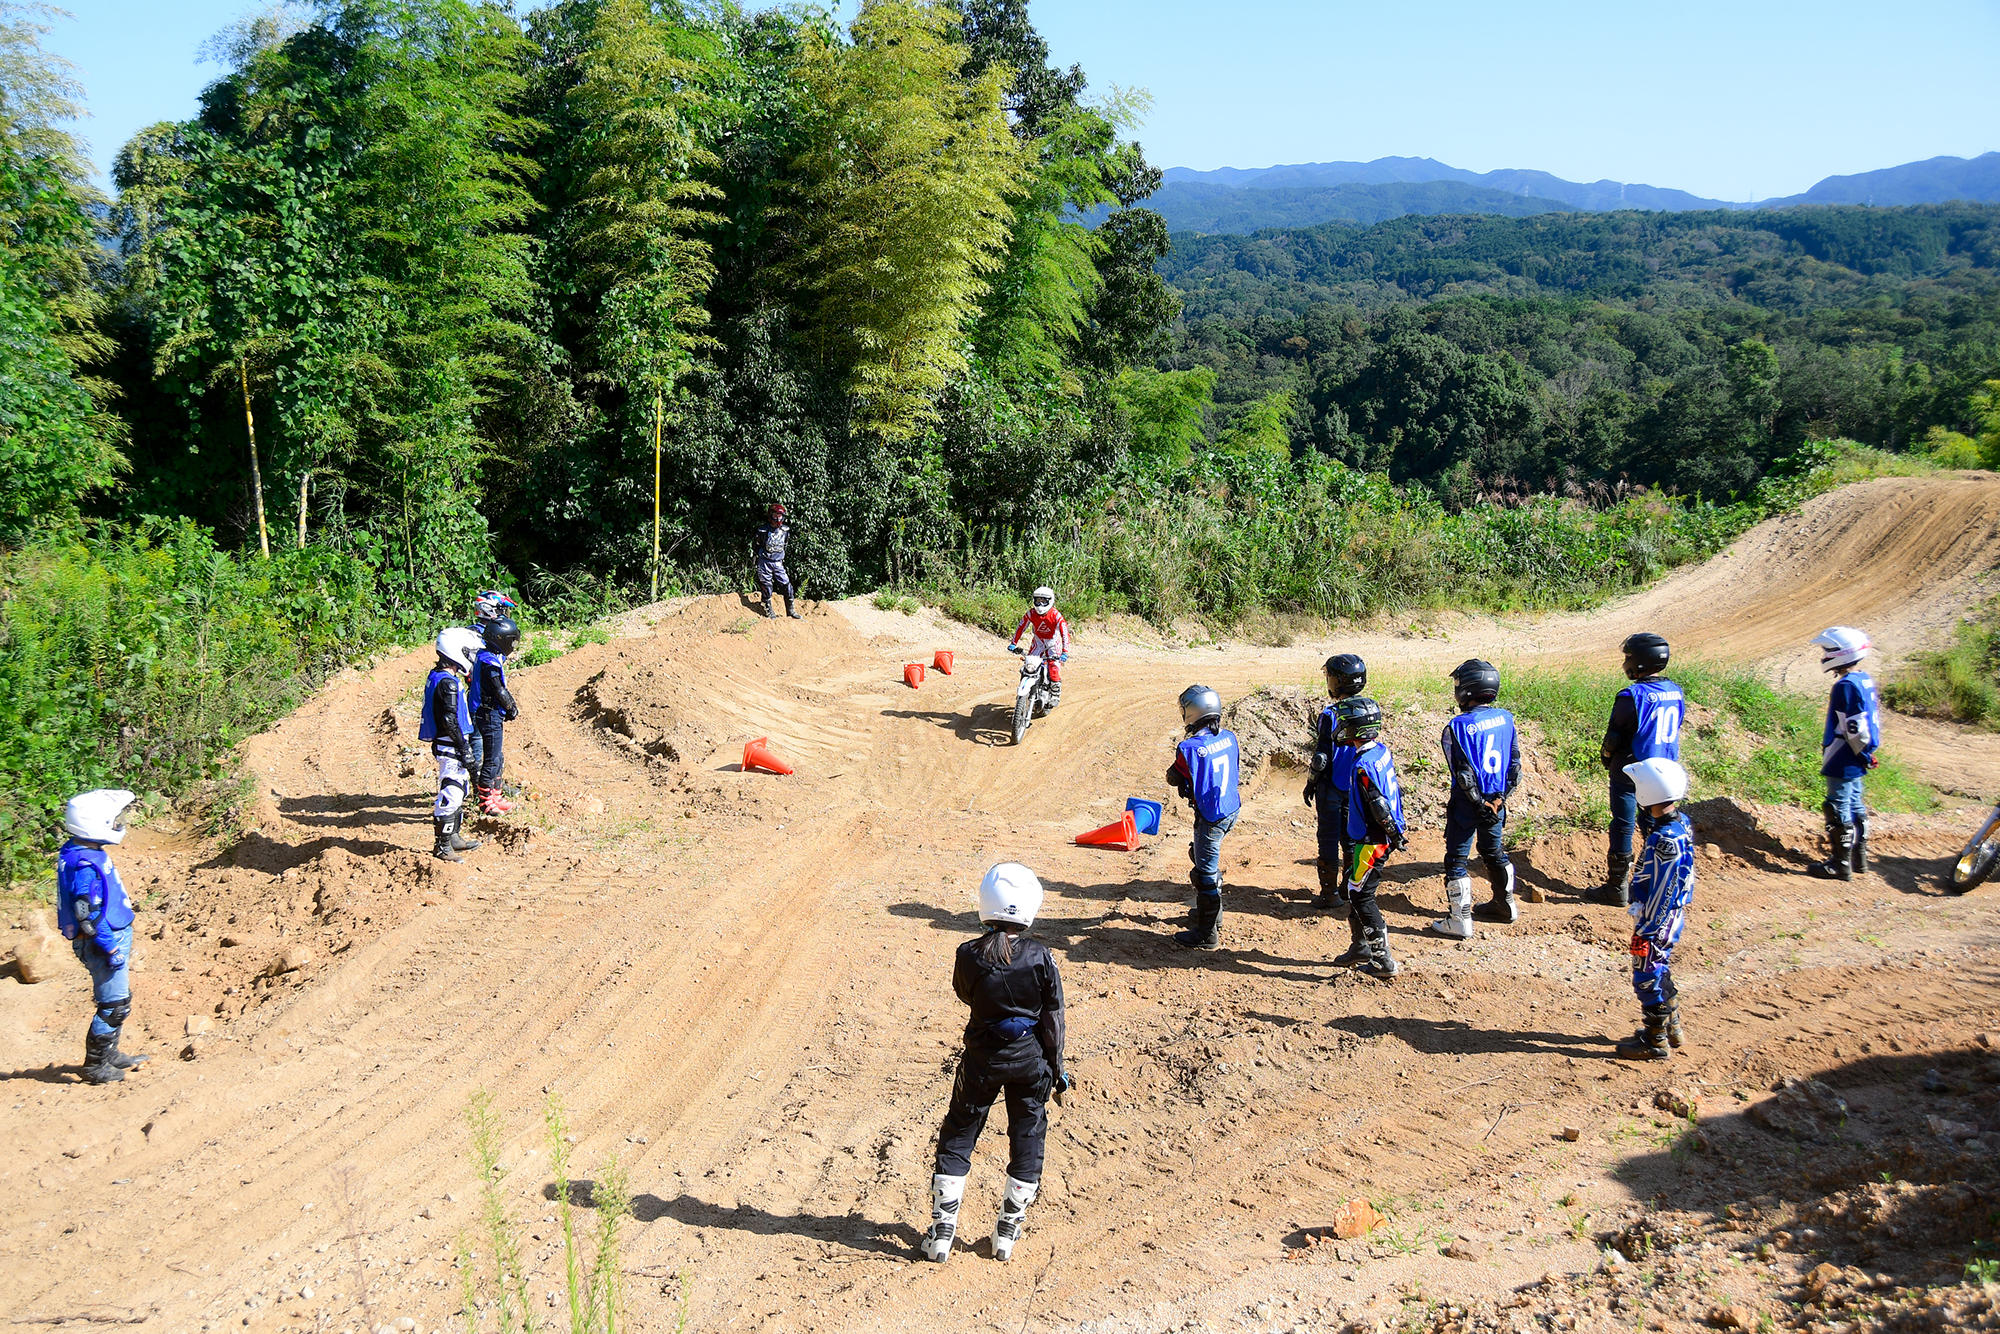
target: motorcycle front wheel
1978 860
1024 708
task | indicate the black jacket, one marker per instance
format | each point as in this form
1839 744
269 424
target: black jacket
494 696
1011 1002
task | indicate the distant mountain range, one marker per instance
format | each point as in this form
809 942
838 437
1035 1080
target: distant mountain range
1237 200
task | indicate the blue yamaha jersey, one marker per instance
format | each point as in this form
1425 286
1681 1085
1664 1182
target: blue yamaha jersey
769 542
1485 736
1375 761
1661 709
90 898
1852 712
1664 882
1212 763
472 692
429 730
1340 759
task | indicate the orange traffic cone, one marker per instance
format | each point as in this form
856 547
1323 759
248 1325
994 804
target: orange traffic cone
759 755
1123 835
913 674
942 661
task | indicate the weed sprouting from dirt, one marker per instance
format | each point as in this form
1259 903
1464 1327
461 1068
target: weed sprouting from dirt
591 1265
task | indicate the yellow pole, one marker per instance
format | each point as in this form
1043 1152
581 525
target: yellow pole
256 473
656 495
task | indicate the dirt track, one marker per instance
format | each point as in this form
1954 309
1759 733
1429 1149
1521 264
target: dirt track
738 985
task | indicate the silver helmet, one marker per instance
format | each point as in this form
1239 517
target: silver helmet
1200 705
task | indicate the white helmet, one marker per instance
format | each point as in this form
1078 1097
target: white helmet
460 644
1842 646
1658 780
1044 599
1011 894
98 816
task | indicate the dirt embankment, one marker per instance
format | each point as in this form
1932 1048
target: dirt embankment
737 984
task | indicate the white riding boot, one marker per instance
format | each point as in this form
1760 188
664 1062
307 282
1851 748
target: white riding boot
1457 921
1013 1216
946 1192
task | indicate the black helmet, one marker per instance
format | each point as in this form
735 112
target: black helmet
1356 720
1645 654
1475 681
501 635
1346 675
1199 707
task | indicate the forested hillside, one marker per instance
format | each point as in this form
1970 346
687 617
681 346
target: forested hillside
1566 351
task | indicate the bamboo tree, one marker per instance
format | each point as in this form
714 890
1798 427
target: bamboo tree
903 209
256 472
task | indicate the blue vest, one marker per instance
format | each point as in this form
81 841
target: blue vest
472 692
1661 709
1212 764
1375 761
429 730
1340 767
1485 736
74 867
1854 703
770 543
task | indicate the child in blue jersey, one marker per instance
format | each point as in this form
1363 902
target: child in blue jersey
1646 721
94 915
447 725
1483 753
488 605
493 707
1326 790
1204 772
1847 750
1661 891
1374 824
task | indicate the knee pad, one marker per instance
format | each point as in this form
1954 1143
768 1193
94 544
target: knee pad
450 797
1206 886
114 1013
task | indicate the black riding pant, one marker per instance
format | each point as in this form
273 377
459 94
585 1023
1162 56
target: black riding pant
491 727
1020 1073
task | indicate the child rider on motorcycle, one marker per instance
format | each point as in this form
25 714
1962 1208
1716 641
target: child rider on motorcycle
1048 637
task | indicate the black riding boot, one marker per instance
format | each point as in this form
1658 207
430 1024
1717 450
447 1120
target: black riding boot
98 1067
1858 857
449 842
1329 897
1617 880
1650 1042
770 613
1357 951
1840 848
120 1059
1674 1034
790 611
1501 907
1203 929
1380 962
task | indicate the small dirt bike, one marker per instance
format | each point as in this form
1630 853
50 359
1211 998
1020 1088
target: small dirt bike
1979 859
1031 696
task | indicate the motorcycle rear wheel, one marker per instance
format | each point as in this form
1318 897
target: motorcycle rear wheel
1979 859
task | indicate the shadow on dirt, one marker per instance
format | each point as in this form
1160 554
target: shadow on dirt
1455 1037
985 725
1888 1167
47 1074
1094 940
258 851
355 811
851 1231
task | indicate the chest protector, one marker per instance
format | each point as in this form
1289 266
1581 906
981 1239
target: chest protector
77 867
1661 709
429 730
1486 737
1213 763
1376 762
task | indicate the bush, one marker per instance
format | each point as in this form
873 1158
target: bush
138 659
1960 682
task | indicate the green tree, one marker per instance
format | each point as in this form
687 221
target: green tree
902 207
1164 411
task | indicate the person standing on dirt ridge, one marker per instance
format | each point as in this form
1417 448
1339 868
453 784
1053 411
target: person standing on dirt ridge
1326 792
1661 892
1013 1048
96 918
1205 769
493 707
1048 637
446 725
1646 721
489 604
1483 752
1375 825
767 548
1847 750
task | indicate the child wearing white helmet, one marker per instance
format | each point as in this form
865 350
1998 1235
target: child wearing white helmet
447 725
1048 638
1662 886
95 917
1847 750
1013 1048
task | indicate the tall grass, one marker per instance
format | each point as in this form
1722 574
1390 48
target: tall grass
1961 681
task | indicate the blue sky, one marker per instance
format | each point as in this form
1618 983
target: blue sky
1739 100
